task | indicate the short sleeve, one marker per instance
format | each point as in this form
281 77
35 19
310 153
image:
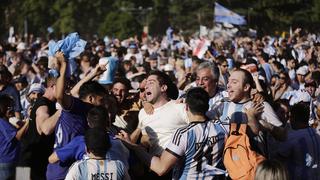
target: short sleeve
16 97
178 144
73 172
270 116
121 170
79 107
183 113
8 131
73 150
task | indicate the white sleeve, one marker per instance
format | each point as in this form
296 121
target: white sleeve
270 116
73 172
141 115
178 144
183 112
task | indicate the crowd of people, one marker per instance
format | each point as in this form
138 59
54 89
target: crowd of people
159 107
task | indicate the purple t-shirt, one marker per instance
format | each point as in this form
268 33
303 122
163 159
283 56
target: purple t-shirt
76 150
9 145
71 123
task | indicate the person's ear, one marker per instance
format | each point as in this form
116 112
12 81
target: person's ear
246 87
90 99
187 107
163 88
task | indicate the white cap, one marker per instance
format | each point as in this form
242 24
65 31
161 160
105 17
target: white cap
303 70
168 67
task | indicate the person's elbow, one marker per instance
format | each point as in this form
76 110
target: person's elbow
161 172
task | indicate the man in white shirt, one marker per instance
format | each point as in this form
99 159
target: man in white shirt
157 128
195 150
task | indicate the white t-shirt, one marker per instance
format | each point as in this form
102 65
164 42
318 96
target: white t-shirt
160 125
97 169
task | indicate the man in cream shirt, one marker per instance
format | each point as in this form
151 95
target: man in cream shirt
157 128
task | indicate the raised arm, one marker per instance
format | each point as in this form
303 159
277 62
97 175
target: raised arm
98 70
63 99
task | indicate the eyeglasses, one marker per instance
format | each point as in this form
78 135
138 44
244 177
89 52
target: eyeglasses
282 77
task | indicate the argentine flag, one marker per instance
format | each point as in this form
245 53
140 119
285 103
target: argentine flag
222 14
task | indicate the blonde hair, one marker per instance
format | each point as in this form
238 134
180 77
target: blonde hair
271 170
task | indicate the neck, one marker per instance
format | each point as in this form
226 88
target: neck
213 92
196 118
162 100
245 99
48 96
92 156
1 87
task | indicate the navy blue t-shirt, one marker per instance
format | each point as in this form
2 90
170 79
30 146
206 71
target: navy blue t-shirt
71 123
14 93
9 145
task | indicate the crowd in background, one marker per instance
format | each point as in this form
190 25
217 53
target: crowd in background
50 112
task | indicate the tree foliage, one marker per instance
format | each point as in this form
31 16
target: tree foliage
123 18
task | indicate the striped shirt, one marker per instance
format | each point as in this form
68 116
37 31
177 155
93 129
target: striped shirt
93 169
199 146
229 111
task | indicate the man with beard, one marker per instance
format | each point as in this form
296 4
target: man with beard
239 88
127 115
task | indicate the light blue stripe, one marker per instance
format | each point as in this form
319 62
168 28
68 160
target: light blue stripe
98 166
225 113
105 165
85 167
189 158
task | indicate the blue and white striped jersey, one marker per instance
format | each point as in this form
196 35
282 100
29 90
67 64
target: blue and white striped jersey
229 111
199 146
93 169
